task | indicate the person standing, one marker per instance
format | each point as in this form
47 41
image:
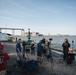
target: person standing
16 39
65 46
18 51
32 47
40 51
24 48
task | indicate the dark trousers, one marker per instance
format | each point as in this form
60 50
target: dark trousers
65 56
33 51
24 51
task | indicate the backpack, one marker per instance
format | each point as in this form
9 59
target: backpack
69 61
30 65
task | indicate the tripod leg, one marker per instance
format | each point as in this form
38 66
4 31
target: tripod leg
52 63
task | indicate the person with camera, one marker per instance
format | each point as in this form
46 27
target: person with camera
40 46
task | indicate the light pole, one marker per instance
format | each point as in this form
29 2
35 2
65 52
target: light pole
29 36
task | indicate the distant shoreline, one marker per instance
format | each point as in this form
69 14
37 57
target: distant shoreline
47 35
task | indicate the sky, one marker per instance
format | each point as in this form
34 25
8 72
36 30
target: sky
43 16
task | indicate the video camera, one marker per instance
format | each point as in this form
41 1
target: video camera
50 39
49 43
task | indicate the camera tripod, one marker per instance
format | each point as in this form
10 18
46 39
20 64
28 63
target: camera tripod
49 56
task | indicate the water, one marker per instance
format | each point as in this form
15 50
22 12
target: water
60 53
57 40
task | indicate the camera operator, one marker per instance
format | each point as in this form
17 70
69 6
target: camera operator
40 46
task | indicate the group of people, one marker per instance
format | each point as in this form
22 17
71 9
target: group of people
21 52
25 47
42 48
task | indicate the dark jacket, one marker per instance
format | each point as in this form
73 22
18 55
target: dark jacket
18 46
66 47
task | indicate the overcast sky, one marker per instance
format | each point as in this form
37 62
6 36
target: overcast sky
44 16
